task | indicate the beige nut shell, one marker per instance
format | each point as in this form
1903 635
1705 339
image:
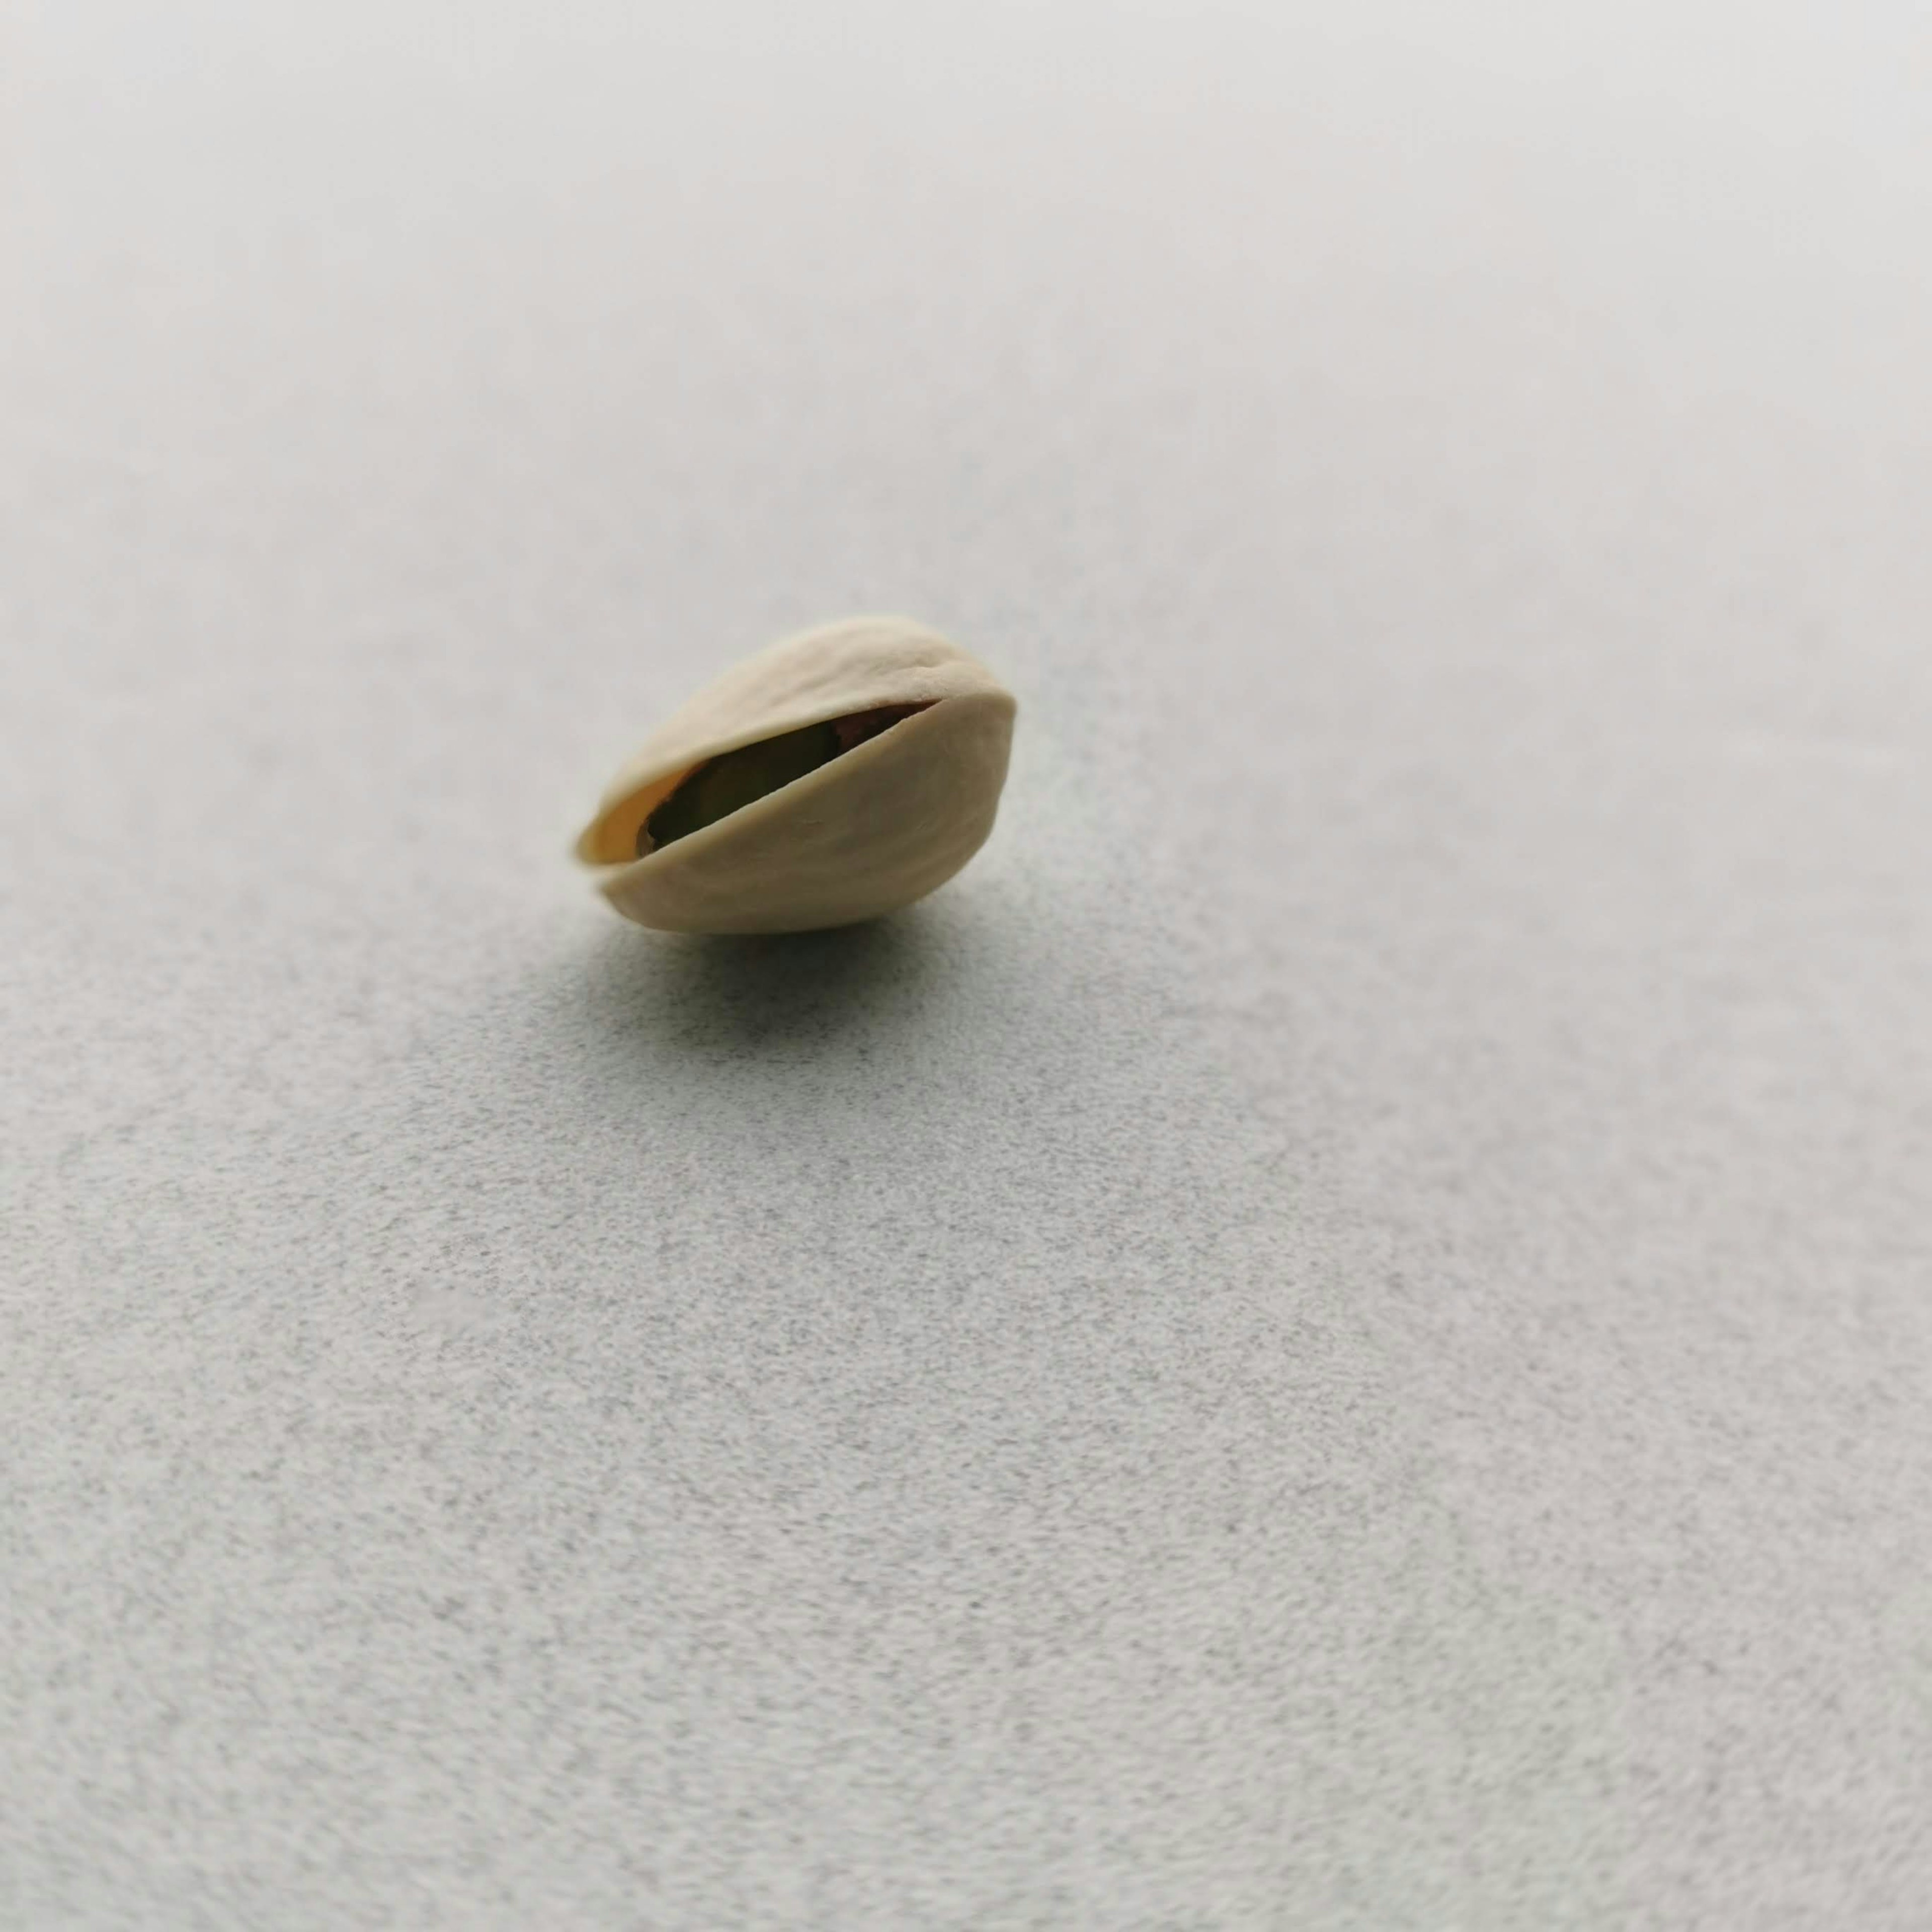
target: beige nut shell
872 830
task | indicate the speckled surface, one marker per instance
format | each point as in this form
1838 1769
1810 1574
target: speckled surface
1339 1335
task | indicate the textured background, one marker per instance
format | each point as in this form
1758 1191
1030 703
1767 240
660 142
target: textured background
1339 1335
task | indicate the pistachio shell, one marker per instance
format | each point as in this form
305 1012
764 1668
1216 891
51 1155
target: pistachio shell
869 830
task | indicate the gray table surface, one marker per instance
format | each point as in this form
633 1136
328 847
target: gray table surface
1338 1335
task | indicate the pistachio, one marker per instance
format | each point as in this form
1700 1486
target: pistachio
840 774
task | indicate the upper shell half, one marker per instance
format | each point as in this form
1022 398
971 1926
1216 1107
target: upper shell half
871 829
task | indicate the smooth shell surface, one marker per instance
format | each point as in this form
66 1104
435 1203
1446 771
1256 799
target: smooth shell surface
872 830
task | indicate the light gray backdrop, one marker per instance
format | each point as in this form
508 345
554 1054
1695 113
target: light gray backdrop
1336 1336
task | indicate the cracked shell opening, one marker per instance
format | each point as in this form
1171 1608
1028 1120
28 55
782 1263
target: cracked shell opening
735 779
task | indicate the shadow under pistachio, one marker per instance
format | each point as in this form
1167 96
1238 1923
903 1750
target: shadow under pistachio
713 996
